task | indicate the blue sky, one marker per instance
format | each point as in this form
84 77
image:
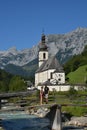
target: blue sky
22 21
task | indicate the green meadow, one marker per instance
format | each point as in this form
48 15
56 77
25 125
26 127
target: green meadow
78 76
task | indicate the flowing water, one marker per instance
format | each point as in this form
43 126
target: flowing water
23 121
19 120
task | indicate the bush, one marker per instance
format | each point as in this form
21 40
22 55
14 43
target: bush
72 92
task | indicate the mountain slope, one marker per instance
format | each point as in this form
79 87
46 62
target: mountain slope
64 46
25 71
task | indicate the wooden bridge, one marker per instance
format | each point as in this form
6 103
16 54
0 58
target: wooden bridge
14 94
57 119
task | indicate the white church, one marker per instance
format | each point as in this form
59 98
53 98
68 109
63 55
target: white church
49 72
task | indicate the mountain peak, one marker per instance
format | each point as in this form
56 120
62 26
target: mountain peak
63 46
80 29
12 49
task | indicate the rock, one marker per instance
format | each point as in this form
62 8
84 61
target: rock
41 112
78 121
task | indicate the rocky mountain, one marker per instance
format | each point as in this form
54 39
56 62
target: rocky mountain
64 46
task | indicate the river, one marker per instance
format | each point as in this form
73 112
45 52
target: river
19 120
22 121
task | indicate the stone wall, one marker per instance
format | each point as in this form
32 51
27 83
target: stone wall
64 87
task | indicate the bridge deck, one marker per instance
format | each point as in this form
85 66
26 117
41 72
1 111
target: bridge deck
15 94
43 105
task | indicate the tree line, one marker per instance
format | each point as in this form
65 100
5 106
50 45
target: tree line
10 83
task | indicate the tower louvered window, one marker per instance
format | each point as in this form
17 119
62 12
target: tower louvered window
44 56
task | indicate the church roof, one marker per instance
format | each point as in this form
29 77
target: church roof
51 63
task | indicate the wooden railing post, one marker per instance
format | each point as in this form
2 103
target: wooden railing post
57 123
59 117
0 103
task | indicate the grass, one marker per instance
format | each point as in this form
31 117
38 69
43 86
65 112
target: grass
76 111
79 97
67 98
78 76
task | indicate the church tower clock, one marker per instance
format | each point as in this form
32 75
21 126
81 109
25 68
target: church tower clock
43 51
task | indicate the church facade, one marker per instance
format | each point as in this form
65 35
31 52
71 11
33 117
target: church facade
49 71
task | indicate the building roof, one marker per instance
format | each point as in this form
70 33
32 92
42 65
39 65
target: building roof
47 83
51 63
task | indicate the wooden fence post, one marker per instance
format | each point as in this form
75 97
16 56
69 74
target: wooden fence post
57 123
0 103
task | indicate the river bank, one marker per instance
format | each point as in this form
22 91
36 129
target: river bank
41 117
67 120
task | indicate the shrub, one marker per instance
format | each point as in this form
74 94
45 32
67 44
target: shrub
72 92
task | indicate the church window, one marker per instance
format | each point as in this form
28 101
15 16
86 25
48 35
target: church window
60 75
44 55
59 79
51 75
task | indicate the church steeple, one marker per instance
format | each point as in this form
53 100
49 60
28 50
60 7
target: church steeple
43 51
43 43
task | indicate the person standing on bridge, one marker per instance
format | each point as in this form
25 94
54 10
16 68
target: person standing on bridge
46 93
41 95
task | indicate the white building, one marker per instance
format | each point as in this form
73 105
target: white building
49 69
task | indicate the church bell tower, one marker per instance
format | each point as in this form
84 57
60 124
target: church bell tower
43 51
